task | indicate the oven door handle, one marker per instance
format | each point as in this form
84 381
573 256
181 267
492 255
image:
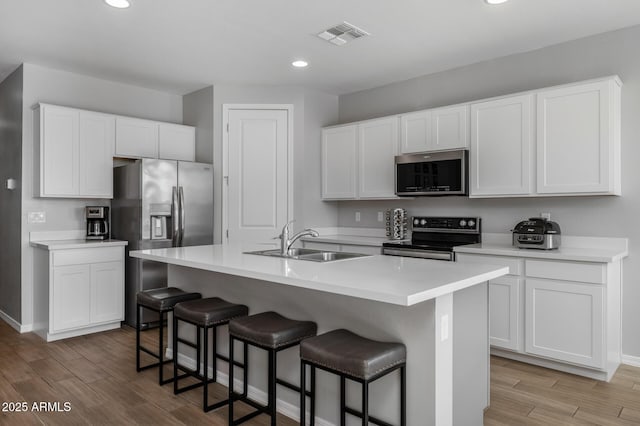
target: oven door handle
422 254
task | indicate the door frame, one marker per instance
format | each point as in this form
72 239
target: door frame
226 109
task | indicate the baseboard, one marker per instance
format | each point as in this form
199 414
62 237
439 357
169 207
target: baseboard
15 324
633 361
290 410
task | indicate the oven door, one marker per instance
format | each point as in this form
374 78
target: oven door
419 253
438 173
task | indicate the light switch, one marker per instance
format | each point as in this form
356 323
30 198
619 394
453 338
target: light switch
11 184
380 217
357 216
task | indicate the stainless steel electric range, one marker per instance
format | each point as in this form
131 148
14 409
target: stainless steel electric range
435 237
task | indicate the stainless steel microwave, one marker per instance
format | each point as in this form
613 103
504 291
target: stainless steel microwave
432 173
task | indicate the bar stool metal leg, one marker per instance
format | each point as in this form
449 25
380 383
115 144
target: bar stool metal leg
272 386
303 396
313 396
403 396
231 393
138 308
343 411
161 348
365 403
205 368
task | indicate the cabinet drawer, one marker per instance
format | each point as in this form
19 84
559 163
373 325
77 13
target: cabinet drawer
582 272
513 263
84 256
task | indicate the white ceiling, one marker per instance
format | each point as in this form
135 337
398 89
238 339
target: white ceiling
183 45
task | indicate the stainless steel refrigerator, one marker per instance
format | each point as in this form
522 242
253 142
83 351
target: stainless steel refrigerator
159 204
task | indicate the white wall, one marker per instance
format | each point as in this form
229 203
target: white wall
323 111
601 55
10 200
64 88
198 112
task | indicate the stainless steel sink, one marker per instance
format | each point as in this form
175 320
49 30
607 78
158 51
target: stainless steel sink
311 255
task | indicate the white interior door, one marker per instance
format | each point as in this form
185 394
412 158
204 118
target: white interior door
257 174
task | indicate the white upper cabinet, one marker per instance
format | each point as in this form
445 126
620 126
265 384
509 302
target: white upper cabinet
578 139
438 129
97 135
450 128
415 132
501 147
358 160
59 150
136 138
75 150
377 146
176 142
339 162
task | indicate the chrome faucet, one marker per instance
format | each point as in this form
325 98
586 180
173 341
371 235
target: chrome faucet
286 242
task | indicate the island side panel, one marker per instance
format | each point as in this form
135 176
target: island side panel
470 355
414 326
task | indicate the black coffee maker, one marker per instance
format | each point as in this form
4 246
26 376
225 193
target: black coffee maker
97 222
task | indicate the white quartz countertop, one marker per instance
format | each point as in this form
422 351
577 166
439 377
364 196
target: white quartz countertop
580 254
390 279
76 244
355 240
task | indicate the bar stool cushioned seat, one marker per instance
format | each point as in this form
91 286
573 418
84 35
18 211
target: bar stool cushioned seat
162 301
344 351
270 329
356 358
205 314
273 333
209 311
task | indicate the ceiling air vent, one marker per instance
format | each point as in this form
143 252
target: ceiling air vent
342 33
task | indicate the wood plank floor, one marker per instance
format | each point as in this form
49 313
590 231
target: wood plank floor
96 375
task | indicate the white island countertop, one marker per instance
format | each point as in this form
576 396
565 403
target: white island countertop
390 279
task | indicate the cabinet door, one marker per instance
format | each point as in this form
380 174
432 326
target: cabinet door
59 152
565 321
339 162
450 128
377 146
136 138
576 126
501 147
415 135
97 137
107 292
505 313
70 293
176 142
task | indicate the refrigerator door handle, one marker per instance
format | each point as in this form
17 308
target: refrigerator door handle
175 208
182 215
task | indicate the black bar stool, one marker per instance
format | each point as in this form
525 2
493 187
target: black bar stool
353 357
205 314
162 301
273 333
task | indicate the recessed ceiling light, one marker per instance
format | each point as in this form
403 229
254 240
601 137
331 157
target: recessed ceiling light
299 64
496 1
120 4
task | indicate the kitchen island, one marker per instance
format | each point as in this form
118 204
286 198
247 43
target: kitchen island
437 309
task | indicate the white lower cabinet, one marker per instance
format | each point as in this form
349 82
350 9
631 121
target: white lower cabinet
555 313
70 292
565 321
505 313
78 291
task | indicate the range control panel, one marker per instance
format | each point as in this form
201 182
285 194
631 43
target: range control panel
446 224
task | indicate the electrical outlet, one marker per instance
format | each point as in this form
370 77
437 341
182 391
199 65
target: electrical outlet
444 328
357 216
380 217
37 217
545 215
